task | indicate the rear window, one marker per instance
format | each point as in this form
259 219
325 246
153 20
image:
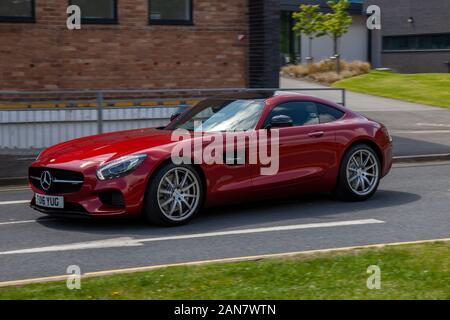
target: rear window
328 114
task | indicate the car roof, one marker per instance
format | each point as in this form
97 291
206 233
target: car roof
274 97
257 94
249 95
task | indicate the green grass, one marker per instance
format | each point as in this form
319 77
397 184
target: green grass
407 272
426 88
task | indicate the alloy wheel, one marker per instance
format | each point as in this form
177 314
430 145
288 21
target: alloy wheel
178 194
362 172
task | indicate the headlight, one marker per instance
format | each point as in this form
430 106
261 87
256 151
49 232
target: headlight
120 167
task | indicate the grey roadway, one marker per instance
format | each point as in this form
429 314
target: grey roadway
412 204
417 129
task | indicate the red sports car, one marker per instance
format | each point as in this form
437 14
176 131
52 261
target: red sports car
315 146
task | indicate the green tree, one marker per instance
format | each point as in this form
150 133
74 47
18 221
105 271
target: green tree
308 21
336 24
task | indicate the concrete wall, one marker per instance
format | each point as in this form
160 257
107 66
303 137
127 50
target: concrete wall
353 45
417 62
431 16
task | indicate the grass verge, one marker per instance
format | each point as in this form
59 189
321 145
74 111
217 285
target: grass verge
419 271
426 88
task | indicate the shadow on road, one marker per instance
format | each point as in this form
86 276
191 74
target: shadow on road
407 146
307 209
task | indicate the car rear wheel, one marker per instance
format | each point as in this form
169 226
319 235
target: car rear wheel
359 174
174 195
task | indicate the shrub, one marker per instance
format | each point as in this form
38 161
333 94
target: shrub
295 70
324 77
359 66
324 71
326 65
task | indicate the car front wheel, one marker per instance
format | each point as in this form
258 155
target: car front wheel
359 174
174 195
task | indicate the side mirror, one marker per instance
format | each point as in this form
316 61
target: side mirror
174 116
280 121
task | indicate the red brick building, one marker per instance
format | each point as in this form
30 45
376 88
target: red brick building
138 44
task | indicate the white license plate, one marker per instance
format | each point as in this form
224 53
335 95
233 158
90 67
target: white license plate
49 201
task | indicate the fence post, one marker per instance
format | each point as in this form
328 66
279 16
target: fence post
99 112
344 97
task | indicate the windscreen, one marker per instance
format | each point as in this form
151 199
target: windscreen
214 115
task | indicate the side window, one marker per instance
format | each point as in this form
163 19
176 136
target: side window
301 113
328 114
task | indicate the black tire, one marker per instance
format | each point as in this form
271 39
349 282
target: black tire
152 211
344 190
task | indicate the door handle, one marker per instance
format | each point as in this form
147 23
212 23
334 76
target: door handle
317 134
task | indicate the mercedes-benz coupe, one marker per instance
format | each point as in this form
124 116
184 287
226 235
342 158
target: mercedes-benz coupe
320 146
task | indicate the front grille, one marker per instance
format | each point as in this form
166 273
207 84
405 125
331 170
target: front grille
63 181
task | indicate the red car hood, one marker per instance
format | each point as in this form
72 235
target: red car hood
104 147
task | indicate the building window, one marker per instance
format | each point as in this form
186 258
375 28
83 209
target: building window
290 41
170 12
98 11
417 42
17 10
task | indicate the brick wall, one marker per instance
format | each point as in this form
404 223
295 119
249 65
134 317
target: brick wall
131 54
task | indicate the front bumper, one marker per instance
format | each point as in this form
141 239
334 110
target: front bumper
76 205
72 213
90 200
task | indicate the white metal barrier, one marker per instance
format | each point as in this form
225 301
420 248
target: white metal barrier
38 128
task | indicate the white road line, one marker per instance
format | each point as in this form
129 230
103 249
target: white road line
5 223
16 222
419 131
131 242
5 203
433 125
14 189
267 229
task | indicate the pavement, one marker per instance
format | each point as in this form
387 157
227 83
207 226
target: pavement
412 204
417 129
14 168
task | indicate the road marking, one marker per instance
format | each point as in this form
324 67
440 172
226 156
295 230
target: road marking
14 189
16 222
419 131
131 242
223 260
5 203
433 125
26 221
422 158
403 165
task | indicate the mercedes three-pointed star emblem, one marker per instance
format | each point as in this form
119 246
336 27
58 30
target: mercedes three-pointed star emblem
46 180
